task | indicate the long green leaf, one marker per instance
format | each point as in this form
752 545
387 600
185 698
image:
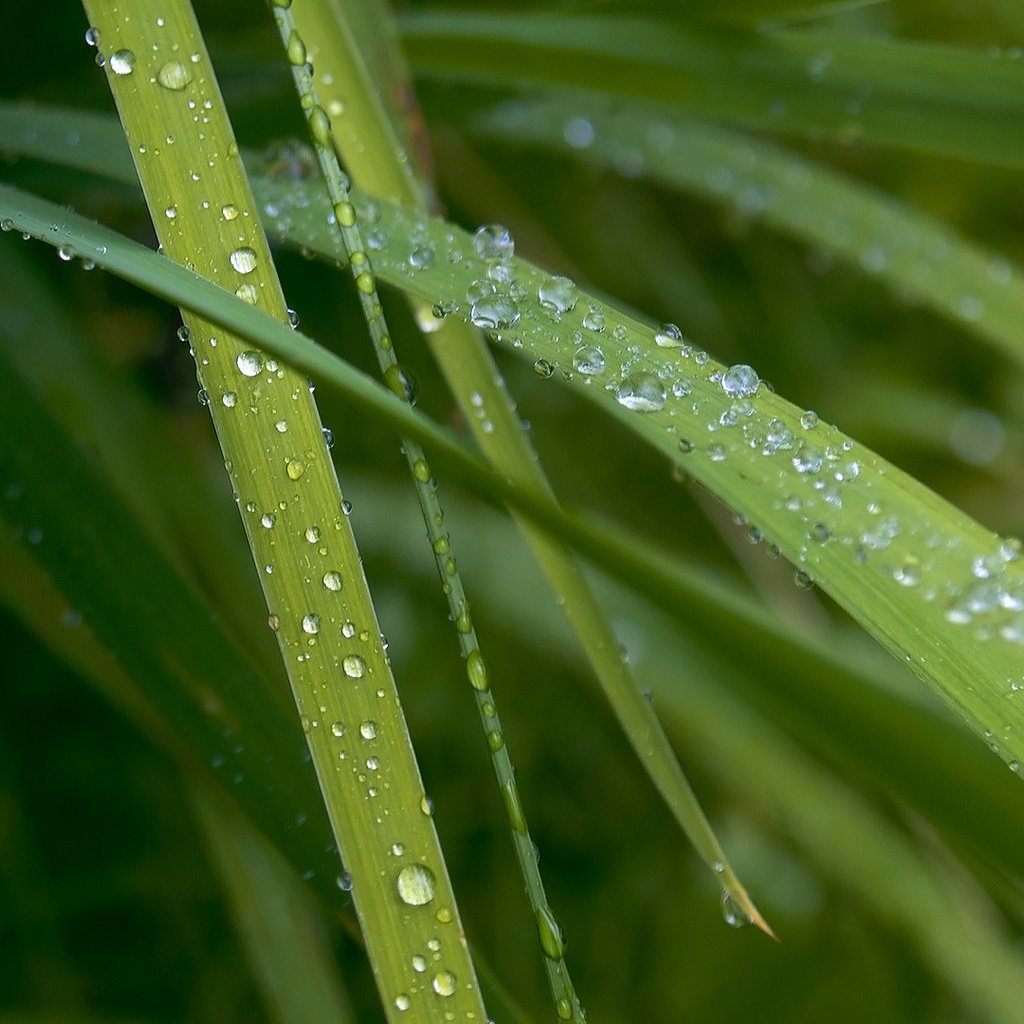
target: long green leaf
884 546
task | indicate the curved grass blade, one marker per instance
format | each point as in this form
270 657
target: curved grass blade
901 247
926 97
975 666
293 514
366 138
566 1001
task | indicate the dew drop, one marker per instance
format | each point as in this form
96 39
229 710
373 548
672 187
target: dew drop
493 312
588 360
416 884
717 452
345 882
641 392
558 294
402 1001
740 380
476 670
733 916
311 624
337 729
368 729
243 260
550 934
668 336
493 242
174 75
249 363
355 668
543 368
332 580
122 62
443 983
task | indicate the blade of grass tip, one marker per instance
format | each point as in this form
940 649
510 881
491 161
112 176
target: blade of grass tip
907 250
293 512
367 144
566 1001
275 917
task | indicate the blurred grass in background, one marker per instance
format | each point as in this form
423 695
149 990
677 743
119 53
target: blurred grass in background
112 911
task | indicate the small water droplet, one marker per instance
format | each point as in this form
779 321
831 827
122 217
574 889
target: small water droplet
717 452
416 884
122 62
345 882
368 729
732 914
809 420
641 392
543 369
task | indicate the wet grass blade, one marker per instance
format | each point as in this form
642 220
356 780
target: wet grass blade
293 514
367 139
901 247
926 97
934 587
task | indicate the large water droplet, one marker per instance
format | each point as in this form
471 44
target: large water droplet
249 363
493 312
444 983
353 666
174 75
416 884
588 360
122 62
668 336
641 392
740 380
558 294
243 260
493 242
332 580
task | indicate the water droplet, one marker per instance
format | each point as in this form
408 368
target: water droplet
740 380
355 668
174 75
493 312
294 468
668 336
717 452
422 257
558 294
402 382
808 459
802 580
229 211
311 624
419 963
122 62
402 1001
543 369
171 212
493 242
476 670
444 983
368 729
345 882
551 941
243 260
809 420
594 320
641 392
732 914
588 360
250 363
267 520
908 572
685 446
416 884
337 729
92 36
332 580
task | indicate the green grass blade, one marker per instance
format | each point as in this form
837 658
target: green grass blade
566 1002
902 248
293 513
890 550
367 139
936 99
